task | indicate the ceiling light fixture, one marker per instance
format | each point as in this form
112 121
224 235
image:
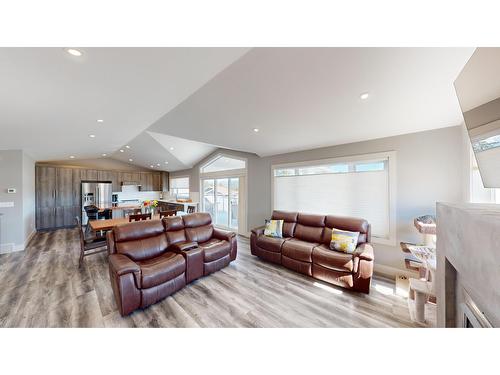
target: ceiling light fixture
158 164
91 135
100 120
104 154
166 162
127 146
152 166
171 149
364 96
256 130
130 159
74 52
122 150
72 157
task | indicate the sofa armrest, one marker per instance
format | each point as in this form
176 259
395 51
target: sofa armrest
365 251
110 241
179 247
259 230
223 234
121 264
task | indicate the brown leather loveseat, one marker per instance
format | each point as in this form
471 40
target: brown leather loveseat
150 260
305 248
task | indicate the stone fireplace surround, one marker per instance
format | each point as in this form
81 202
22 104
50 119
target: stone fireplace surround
468 265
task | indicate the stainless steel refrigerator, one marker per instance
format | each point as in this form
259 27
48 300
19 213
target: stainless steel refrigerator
96 194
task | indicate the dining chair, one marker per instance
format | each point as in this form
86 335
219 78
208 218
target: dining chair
131 211
89 245
139 217
167 213
190 209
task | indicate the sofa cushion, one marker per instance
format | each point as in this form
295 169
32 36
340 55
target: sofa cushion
298 250
214 249
351 224
334 260
158 270
137 230
289 218
142 249
270 243
310 227
197 219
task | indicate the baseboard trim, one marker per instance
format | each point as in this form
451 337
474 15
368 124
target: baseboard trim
11 247
391 272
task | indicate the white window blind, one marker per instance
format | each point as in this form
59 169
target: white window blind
179 186
358 189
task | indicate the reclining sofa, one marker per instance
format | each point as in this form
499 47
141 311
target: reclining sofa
150 260
305 248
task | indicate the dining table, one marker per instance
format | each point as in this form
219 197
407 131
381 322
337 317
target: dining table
108 224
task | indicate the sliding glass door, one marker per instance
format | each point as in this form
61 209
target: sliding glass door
221 200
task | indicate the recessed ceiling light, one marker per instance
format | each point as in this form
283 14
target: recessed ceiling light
127 146
122 150
72 157
256 130
364 96
74 52
158 164
152 166
104 154
130 159
166 162
171 148
100 120
91 135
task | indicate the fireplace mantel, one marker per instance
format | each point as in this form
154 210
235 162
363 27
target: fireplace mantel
468 261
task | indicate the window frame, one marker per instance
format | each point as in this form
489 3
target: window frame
392 183
226 172
179 177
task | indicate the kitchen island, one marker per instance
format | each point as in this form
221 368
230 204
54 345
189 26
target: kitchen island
172 204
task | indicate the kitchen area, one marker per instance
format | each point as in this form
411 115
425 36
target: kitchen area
63 192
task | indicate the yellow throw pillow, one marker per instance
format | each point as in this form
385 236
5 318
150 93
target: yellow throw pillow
274 228
343 240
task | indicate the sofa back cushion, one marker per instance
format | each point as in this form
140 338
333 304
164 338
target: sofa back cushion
350 224
289 221
174 227
310 227
140 240
198 227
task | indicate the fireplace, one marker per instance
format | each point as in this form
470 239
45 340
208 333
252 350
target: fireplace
467 275
472 316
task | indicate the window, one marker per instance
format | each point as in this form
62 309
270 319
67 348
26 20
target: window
179 187
221 200
478 193
223 163
361 186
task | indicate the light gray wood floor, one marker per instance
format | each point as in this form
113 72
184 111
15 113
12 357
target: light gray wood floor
43 287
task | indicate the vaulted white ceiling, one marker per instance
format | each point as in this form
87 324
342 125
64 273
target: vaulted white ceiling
197 99
50 101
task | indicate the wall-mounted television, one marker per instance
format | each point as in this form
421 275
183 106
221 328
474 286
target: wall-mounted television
478 91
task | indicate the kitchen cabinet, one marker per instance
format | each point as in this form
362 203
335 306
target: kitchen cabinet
58 190
164 181
156 183
45 180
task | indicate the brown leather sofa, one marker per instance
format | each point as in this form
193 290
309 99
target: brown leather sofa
305 248
150 260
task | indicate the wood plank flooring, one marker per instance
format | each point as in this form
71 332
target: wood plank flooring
43 287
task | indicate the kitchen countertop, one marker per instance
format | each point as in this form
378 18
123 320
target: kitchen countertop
174 201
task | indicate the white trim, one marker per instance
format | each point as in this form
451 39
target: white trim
11 247
392 168
219 155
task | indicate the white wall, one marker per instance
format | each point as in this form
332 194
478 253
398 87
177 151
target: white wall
28 194
17 170
430 168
